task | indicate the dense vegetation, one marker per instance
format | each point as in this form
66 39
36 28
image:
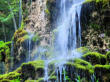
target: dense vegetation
15 43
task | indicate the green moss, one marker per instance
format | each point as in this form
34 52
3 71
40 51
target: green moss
53 78
20 36
80 64
30 81
35 38
98 1
47 11
10 76
102 72
108 57
33 69
106 67
40 80
37 64
95 58
83 50
94 1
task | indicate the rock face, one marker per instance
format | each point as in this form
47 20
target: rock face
96 24
20 49
38 21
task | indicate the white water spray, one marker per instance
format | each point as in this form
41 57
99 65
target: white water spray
69 31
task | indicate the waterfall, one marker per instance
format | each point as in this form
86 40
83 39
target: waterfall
69 29
67 38
20 13
69 32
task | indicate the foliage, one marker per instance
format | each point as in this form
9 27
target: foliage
10 76
4 50
7 8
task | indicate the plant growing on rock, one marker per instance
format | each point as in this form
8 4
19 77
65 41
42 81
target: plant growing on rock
5 54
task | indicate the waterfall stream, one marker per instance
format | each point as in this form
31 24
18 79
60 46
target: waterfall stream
68 37
20 13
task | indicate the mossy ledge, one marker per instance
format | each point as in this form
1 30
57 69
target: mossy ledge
95 58
31 70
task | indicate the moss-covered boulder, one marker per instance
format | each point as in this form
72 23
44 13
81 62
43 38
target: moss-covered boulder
80 68
95 58
20 36
27 71
32 70
102 73
20 45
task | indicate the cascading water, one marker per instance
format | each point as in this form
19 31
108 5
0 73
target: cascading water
69 31
67 39
20 12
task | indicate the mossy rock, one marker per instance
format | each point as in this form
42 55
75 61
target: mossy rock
10 76
102 72
33 70
20 51
20 36
80 64
95 58
80 67
97 1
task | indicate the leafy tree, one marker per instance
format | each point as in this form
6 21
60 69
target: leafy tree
8 12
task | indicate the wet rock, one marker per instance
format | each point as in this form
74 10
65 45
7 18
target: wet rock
32 70
95 22
28 71
95 58
79 68
102 73
20 40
